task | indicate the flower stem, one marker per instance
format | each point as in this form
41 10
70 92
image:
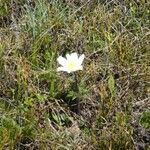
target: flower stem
77 92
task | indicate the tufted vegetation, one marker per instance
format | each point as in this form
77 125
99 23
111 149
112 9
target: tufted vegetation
39 108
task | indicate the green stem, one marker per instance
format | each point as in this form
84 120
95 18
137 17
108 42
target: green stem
77 92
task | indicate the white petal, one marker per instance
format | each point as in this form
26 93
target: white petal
62 69
80 68
68 56
74 57
62 61
68 71
81 58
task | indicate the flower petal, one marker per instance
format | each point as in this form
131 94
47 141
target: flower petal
74 56
68 56
62 61
81 58
71 63
80 67
62 69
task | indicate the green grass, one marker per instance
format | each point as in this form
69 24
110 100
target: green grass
38 105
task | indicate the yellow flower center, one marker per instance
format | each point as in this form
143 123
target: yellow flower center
71 66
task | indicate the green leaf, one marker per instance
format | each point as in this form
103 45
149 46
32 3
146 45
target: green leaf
72 95
145 119
11 127
111 85
29 102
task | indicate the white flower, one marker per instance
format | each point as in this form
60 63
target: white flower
71 63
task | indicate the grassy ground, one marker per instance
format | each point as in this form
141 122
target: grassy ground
38 106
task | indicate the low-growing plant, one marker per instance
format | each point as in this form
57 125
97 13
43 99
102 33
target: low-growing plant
98 103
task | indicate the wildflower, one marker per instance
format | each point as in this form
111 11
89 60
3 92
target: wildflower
71 63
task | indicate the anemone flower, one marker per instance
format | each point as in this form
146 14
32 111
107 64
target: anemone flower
71 63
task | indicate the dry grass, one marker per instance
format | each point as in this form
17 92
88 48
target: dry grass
38 106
